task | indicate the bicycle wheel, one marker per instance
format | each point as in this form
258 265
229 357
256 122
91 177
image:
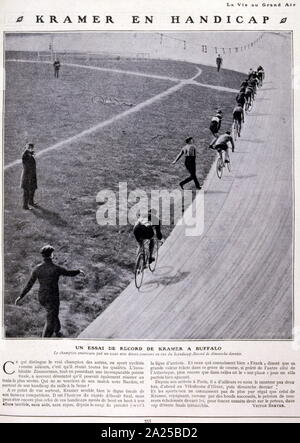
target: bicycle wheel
152 266
139 270
249 106
235 130
219 168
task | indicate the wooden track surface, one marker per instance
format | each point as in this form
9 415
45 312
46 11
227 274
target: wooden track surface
236 280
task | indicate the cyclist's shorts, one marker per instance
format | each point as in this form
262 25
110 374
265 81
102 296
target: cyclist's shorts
221 147
142 232
237 116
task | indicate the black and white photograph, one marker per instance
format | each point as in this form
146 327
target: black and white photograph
148 185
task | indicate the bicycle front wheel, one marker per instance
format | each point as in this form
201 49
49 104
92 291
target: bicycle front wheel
139 271
152 266
235 130
219 168
249 106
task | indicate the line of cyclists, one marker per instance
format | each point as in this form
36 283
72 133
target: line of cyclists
244 103
148 226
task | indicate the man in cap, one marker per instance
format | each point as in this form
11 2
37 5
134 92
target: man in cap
189 152
56 66
47 274
28 178
219 62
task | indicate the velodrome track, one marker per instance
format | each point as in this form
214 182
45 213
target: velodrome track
235 281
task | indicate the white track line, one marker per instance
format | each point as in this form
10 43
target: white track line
138 74
105 123
97 68
117 117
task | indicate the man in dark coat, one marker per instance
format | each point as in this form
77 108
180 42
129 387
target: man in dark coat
28 179
219 62
56 66
48 273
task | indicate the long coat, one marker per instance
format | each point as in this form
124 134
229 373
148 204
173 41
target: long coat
48 273
28 177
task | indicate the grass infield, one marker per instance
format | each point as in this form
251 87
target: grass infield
137 149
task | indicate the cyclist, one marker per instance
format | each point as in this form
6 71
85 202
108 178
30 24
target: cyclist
221 145
253 83
241 98
215 123
251 74
260 74
249 95
244 84
238 117
146 228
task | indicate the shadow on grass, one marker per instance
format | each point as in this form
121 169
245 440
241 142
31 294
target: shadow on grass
51 216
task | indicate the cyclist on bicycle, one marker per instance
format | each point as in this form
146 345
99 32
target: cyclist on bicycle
221 145
238 117
260 74
215 123
253 83
244 84
241 98
146 228
249 95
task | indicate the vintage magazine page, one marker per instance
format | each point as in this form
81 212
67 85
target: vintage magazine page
150 211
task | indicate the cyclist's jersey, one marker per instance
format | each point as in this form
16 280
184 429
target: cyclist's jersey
215 124
144 222
249 91
238 111
244 84
253 83
144 229
223 140
240 98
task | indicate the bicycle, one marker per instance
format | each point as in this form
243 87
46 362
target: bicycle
249 105
221 165
143 261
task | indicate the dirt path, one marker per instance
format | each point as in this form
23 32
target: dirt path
235 281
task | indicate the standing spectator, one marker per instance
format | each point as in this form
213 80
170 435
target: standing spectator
28 178
56 65
48 273
219 62
189 152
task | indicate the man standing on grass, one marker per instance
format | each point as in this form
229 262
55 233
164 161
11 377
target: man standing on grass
219 62
56 65
189 152
28 178
48 273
